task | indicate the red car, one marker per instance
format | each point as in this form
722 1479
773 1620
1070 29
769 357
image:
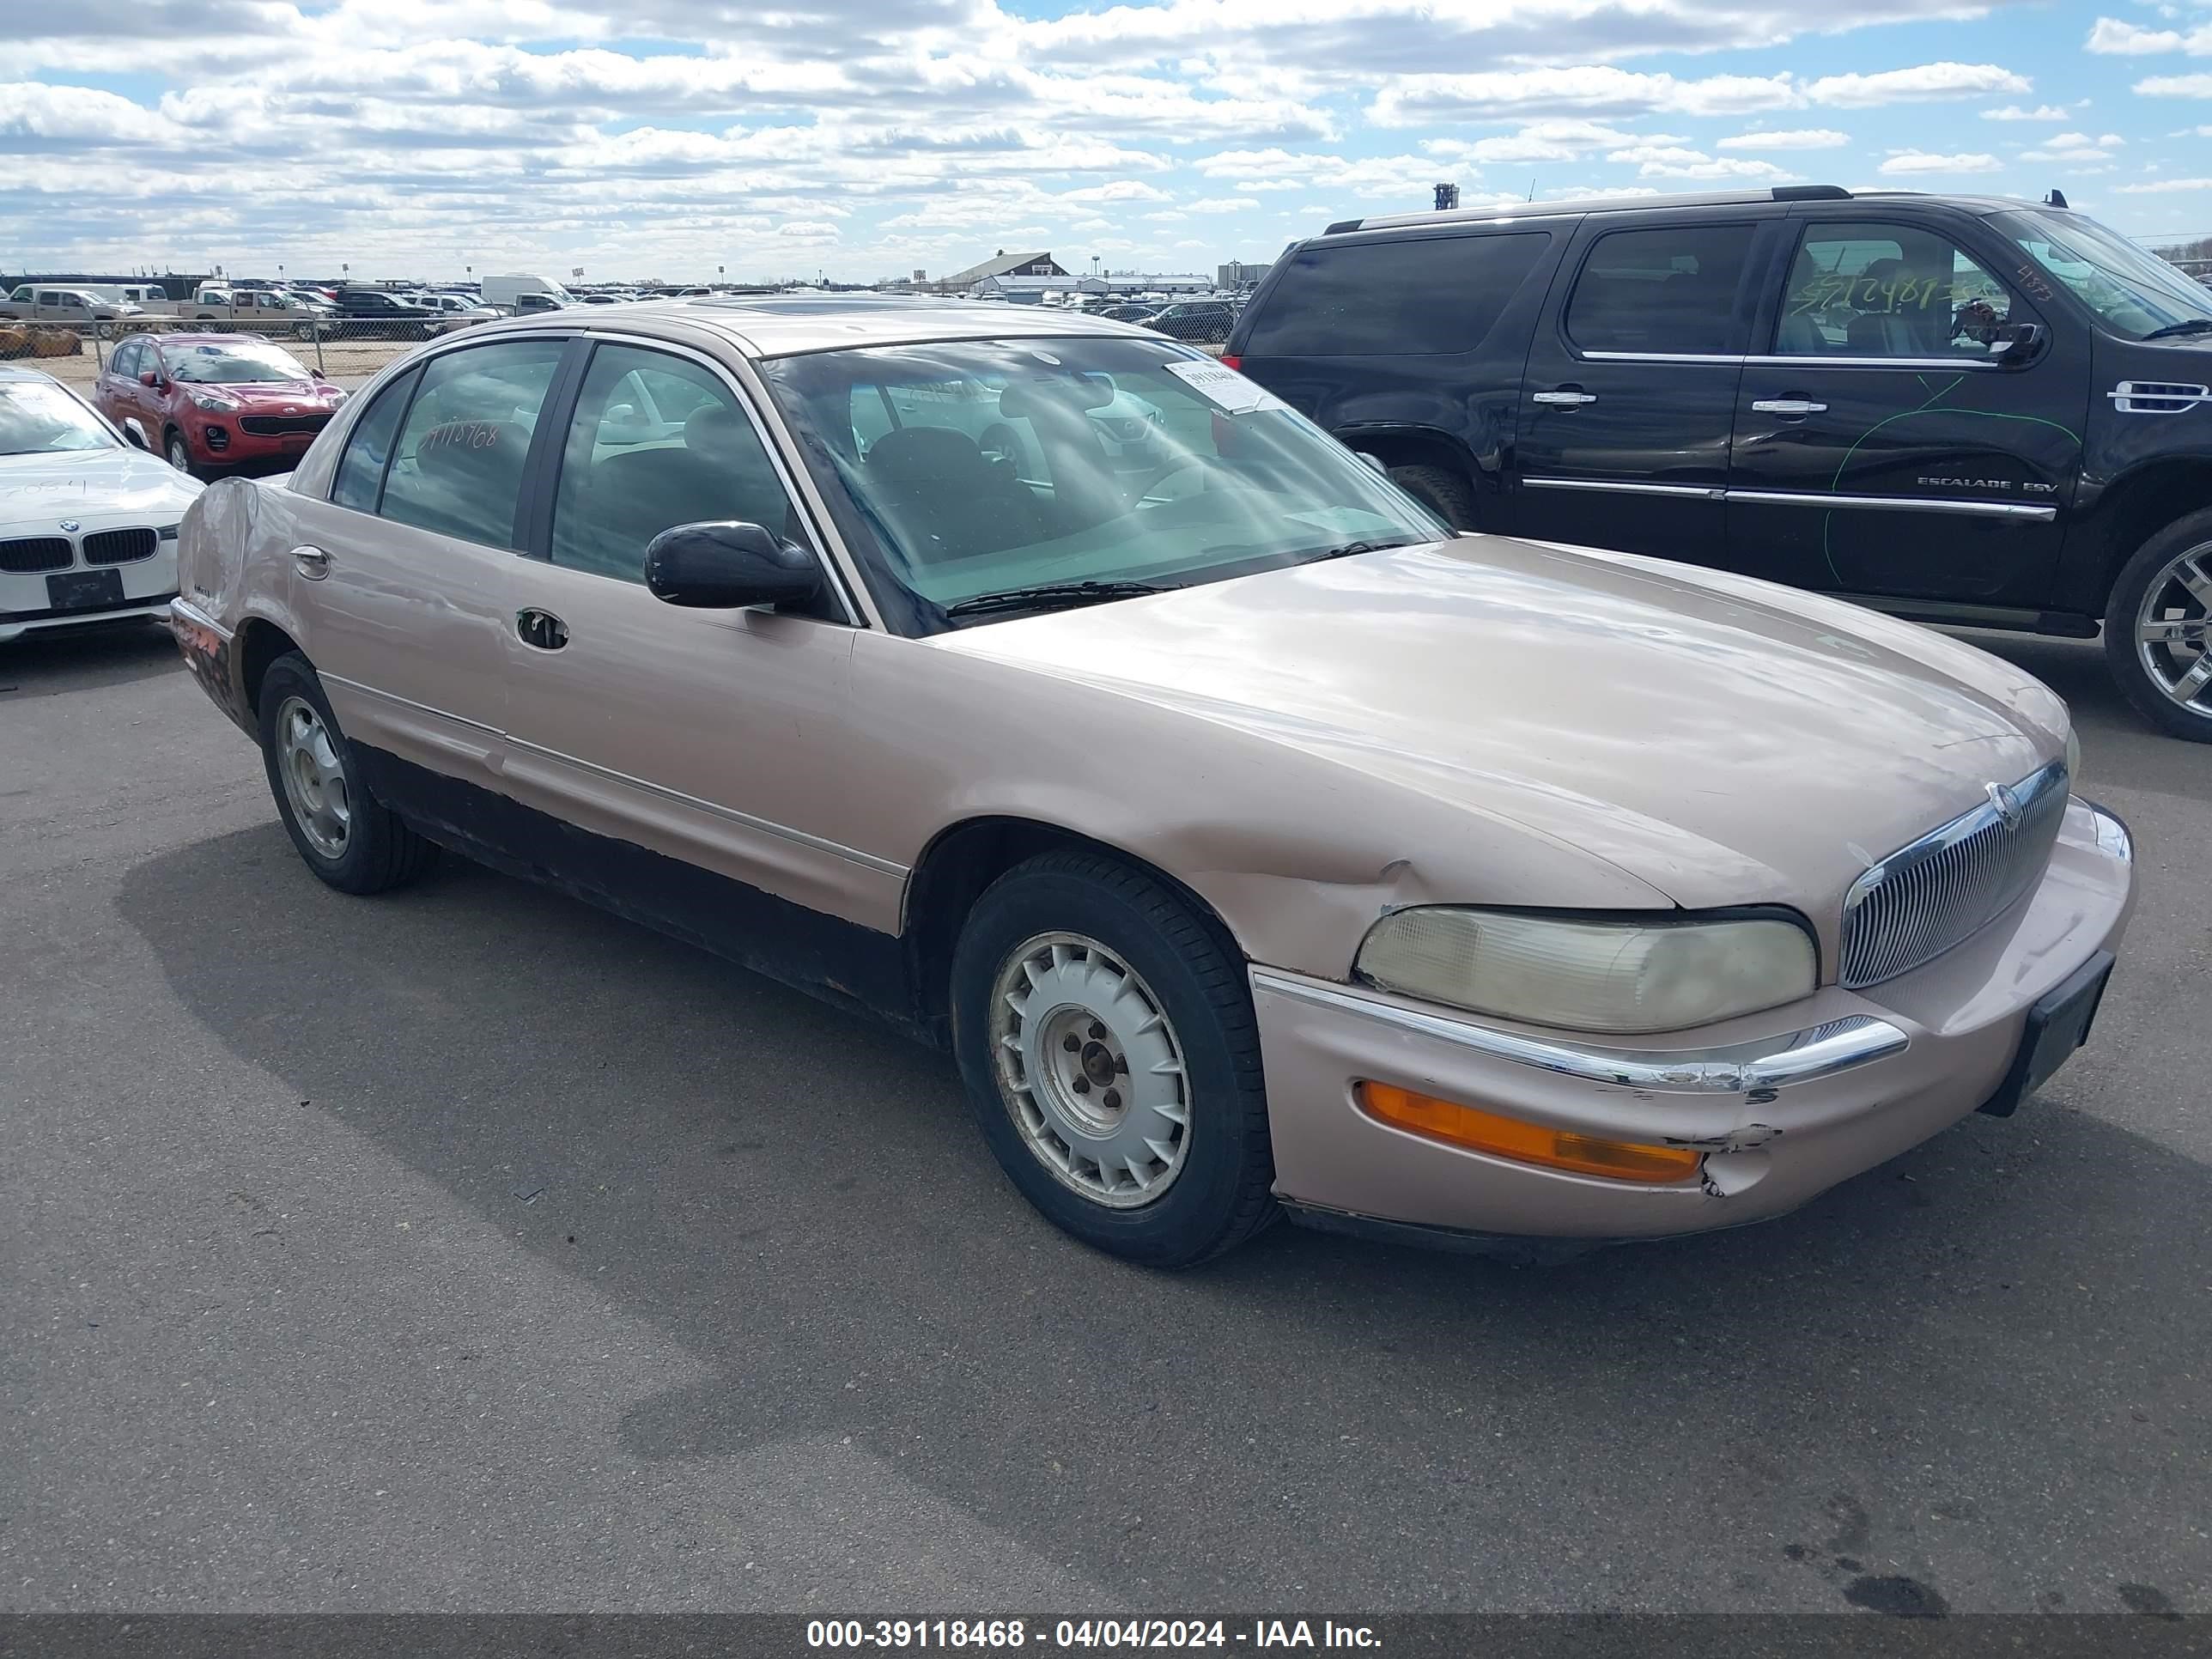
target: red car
215 401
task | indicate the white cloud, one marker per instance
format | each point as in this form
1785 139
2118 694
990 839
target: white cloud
2160 184
2121 40
1798 138
1673 161
2077 148
2040 113
1927 80
1914 161
1542 140
1589 89
1222 205
2175 86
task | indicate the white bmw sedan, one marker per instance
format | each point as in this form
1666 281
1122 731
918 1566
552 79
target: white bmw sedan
87 523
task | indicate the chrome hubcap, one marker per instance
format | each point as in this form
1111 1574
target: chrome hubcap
314 777
2173 630
1090 1070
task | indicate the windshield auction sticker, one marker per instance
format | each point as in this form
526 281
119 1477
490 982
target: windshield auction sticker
1225 387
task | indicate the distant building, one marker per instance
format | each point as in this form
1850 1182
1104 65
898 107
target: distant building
1001 265
1240 273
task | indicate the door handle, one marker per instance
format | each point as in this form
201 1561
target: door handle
311 562
1569 396
540 628
1789 408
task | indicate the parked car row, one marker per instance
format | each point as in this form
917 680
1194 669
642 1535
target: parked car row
1254 843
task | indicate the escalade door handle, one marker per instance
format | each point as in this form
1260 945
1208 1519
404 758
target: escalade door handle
1570 396
311 562
541 629
1789 408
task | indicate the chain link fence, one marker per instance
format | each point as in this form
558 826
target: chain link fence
346 350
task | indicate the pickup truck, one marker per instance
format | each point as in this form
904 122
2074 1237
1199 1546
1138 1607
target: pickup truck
253 305
34 302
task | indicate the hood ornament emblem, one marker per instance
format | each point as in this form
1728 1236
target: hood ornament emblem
2009 811
72 525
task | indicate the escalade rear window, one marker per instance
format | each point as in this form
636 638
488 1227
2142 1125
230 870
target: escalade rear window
1406 297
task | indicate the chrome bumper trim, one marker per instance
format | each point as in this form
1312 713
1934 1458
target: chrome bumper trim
1773 1062
2114 839
199 618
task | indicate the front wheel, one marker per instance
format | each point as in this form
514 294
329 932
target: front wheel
2157 629
340 829
179 453
1105 1031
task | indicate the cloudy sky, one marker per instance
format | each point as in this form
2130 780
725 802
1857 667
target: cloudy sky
865 138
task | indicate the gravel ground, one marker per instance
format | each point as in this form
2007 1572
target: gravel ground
469 1249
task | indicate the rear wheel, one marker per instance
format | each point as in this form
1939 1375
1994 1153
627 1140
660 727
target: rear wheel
1106 1035
2157 629
346 837
1443 492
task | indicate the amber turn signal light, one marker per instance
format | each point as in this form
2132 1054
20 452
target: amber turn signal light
1525 1143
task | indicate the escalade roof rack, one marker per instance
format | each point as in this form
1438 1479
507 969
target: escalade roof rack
1595 204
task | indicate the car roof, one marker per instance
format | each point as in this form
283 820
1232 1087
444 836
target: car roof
1787 193
780 325
20 371
205 337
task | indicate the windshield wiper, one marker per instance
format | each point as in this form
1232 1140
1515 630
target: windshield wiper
1053 596
2189 325
1346 550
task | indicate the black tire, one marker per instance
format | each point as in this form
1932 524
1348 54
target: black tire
2134 676
177 452
1223 1194
380 852
1443 492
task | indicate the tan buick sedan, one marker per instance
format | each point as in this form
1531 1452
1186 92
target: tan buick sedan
1256 845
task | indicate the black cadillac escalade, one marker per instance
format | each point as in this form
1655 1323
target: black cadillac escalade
1964 410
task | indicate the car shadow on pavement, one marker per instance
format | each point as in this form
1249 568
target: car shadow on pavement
1944 1347
57 663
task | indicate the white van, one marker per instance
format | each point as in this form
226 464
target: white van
507 292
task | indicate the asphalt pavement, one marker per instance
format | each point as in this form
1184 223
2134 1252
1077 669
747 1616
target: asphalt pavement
468 1248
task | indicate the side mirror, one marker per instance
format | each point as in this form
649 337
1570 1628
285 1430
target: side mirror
726 565
2021 343
146 377
134 437
314 374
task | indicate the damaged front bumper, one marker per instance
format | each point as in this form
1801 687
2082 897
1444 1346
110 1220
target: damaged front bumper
1782 1105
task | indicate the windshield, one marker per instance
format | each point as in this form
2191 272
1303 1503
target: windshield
240 364
969 468
2134 292
43 420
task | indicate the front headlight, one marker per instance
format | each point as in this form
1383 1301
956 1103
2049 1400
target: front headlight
213 405
1622 976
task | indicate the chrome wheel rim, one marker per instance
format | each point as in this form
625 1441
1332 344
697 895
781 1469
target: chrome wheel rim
1090 1070
179 457
2173 630
314 777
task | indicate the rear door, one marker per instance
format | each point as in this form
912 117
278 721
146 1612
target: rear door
1628 401
1881 447
404 579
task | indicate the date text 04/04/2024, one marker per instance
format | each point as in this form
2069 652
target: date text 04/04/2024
1085 1633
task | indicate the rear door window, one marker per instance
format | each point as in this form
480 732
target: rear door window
368 447
1403 298
1671 289
457 468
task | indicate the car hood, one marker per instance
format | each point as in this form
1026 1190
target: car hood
1724 740
38 492
305 396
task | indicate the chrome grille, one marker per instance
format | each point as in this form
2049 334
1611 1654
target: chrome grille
1951 883
119 546
28 553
